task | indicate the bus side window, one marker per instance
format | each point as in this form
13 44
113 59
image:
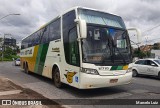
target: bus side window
22 45
69 31
45 35
54 32
26 42
73 47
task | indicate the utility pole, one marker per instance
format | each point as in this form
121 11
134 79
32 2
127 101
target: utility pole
3 47
146 45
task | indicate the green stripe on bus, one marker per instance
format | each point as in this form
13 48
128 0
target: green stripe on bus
114 68
38 59
120 68
41 57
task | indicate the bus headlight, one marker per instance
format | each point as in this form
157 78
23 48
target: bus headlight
129 70
89 71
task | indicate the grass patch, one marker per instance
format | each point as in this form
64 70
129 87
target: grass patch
10 58
6 59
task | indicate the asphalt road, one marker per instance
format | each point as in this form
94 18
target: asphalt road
142 87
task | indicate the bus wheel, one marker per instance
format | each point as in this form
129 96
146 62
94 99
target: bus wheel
24 65
56 78
26 68
134 73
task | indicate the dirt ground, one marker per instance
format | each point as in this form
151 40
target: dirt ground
8 85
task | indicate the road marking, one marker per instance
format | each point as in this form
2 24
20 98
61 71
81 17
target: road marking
10 92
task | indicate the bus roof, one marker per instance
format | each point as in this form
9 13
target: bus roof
73 8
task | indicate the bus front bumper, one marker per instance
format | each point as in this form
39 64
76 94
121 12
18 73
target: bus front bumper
89 81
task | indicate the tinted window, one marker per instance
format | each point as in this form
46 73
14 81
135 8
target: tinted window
30 40
141 62
45 35
36 39
150 63
73 48
68 23
137 62
157 61
101 18
147 62
40 34
26 42
22 45
69 38
54 32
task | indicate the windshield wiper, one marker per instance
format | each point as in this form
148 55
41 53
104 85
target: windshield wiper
121 55
111 53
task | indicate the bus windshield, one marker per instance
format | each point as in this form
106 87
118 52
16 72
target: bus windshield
101 18
106 46
107 41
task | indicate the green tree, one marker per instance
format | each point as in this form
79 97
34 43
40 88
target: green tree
8 52
142 54
1 39
148 54
138 53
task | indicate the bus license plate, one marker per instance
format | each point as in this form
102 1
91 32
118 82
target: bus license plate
113 80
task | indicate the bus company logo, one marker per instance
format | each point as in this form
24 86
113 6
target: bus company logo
6 102
55 50
69 76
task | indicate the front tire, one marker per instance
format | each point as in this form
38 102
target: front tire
134 73
56 78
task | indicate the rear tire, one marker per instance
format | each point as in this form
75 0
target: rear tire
134 73
56 78
26 69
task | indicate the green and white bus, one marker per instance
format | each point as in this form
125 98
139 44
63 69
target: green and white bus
84 48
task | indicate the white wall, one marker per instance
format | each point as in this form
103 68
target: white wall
156 52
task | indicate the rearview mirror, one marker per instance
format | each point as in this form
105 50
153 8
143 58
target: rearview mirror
139 37
83 28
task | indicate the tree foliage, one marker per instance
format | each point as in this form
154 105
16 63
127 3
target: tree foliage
141 54
9 53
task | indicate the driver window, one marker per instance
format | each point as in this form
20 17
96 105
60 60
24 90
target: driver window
73 48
